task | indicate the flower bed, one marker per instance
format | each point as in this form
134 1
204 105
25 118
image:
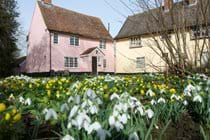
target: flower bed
103 107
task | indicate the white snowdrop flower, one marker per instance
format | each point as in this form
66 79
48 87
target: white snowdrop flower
149 113
208 82
118 126
77 99
51 114
162 91
161 100
140 110
185 103
150 93
114 96
21 100
90 93
68 137
64 107
111 120
115 113
198 88
189 89
28 101
98 100
93 109
174 97
83 120
102 134
73 111
133 136
123 119
70 99
94 127
153 102
197 98
69 125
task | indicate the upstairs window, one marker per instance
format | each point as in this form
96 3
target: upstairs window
140 62
190 2
102 44
74 40
135 42
55 38
71 62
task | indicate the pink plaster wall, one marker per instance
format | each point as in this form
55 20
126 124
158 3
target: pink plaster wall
38 45
64 49
38 53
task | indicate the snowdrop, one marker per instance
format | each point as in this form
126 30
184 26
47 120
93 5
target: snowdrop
91 94
73 111
28 102
189 89
114 96
94 127
68 137
50 113
185 103
161 100
140 110
175 97
133 136
149 113
64 107
153 102
21 100
197 98
150 93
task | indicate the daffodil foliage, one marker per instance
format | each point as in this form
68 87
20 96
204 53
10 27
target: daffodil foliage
140 107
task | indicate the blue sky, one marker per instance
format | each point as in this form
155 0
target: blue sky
115 16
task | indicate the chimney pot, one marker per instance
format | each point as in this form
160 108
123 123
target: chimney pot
47 1
168 4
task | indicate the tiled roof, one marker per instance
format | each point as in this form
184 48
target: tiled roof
67 21
147 22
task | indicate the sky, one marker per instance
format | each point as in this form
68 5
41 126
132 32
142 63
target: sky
109 11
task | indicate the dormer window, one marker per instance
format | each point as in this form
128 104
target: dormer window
135 42
190 2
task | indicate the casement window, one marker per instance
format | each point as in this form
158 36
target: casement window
199 33
104 63
55 38
74 40
205 57
140 62
135 42
102 44
71 62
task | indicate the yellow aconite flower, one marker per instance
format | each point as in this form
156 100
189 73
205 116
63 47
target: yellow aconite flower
17 117
48 93
7 116
172 91
14 111
30 86
142 92
105 87
2 107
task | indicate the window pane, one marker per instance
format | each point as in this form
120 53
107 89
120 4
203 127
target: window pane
104 63
76 41
55 38
140 62
71 40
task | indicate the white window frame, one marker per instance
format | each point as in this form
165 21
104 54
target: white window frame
102 44
71 62
74 40
135 42
55 38
200 33
140 62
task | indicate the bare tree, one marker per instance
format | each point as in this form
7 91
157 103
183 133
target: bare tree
179 31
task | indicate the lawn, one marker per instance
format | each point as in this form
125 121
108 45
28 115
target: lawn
85 107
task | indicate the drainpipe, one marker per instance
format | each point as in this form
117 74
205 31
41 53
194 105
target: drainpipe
50 54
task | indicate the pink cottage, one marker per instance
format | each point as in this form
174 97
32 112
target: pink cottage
61 40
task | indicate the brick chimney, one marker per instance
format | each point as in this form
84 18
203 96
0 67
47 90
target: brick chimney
168 4
47 1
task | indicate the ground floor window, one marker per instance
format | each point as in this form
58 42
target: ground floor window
71 62
140 62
